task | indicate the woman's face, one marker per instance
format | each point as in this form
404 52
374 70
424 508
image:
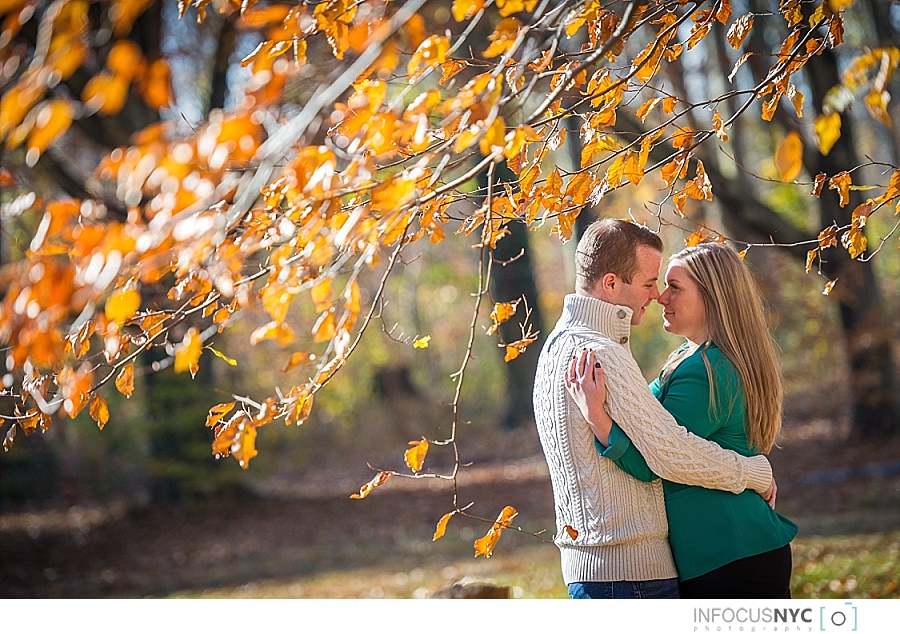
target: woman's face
683 312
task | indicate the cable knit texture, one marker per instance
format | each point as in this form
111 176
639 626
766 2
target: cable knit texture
621 522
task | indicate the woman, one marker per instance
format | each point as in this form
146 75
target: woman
723 384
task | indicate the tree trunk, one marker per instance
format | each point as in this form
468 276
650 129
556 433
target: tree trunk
512 278
873 379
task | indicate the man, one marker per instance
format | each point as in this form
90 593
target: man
619 546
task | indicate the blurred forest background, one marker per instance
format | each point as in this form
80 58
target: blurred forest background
149 479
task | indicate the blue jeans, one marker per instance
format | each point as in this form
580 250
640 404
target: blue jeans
655 589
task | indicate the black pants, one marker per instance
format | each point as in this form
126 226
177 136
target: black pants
763 576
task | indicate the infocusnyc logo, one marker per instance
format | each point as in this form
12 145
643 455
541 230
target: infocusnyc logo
831 618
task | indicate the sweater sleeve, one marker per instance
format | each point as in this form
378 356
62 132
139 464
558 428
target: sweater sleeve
671 451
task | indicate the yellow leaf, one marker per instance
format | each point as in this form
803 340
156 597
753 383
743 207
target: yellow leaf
321 295
503 37
789 157
188 352
324 328
465 9
422 342
415 455
431 52
695 238
122 304
224 358
810 258
281 333
125 380
828 131
494 137
829 286
441 527
377 481
217 413
99 411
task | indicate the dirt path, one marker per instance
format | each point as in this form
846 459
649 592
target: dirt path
297 530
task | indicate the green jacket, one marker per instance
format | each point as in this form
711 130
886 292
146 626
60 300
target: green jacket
707 528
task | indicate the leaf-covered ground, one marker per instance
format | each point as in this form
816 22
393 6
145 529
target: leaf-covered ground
306 538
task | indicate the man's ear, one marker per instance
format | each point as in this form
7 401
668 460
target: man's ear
609 283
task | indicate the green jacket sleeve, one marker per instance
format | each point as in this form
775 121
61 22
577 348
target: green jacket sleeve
625 455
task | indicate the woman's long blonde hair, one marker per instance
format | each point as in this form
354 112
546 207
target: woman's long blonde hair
736 324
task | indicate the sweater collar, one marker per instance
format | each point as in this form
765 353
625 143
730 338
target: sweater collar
608 319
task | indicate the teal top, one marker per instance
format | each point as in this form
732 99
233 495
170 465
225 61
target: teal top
707 528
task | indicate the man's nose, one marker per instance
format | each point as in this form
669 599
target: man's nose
654 294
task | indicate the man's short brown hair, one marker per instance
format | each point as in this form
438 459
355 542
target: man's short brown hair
610 246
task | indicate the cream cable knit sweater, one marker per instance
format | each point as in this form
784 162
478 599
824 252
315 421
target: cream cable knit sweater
621 522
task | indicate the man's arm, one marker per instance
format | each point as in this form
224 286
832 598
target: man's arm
669 449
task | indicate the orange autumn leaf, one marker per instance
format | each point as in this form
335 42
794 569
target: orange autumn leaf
739 30
187 353
828 237
414 457
368 487
325 327
281 333
695 238
516 348
298 358
810 258
571 532
99 411
841 182
465 9
53 118
105 93
789 157
244 446
501 313
300 401
819 184
854 240
125 380
503 37
217 413
441 527
829 286
485 545
155 86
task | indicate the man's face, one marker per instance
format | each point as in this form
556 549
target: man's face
643 289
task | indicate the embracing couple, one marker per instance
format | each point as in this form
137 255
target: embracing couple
663 492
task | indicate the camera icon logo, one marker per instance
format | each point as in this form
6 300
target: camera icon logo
843 619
